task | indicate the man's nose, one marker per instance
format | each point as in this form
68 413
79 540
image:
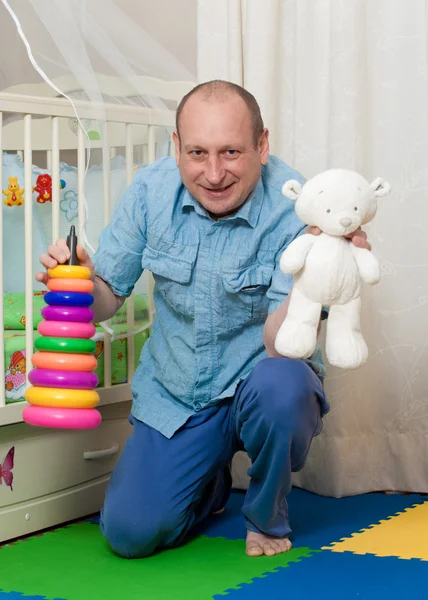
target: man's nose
214 172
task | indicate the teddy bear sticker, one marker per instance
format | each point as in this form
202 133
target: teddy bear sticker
15 379
327 269
13 193
43 188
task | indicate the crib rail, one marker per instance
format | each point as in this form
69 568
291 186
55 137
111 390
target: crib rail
33 108
60 107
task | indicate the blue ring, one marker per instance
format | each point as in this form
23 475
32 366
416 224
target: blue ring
68 299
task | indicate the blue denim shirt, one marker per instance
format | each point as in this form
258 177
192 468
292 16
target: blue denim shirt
216 282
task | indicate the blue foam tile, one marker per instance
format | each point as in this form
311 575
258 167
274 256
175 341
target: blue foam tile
316 521
338 576
19 596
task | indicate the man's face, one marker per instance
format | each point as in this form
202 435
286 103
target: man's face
218 162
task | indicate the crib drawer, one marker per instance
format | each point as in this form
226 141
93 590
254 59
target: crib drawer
49 461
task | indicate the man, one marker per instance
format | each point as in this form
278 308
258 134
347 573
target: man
211 228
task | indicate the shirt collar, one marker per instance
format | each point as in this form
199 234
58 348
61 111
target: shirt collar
249 212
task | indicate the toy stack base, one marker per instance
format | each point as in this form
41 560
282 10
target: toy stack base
62 394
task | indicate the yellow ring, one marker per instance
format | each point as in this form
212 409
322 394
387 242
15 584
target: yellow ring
61 398
69 271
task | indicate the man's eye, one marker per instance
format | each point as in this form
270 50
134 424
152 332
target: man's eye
232 153
197 153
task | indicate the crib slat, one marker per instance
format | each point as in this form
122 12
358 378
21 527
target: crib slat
55 179
171 146
81 166
2 365
107 153
130 309
129 155
28 205
152 144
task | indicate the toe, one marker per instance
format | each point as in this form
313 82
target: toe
254 550
285 545
276 547
268 549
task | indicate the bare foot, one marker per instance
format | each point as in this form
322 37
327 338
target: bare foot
258 544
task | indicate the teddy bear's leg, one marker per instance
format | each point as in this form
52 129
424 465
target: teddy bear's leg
297 336
345 346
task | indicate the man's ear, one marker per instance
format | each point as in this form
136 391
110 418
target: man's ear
263 146
176 141
292 189
381 187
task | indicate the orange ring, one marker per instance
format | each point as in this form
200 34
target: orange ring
61 398
69 271
70 285
64 361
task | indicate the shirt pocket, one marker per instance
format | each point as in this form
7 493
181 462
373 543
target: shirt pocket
172 272
245 294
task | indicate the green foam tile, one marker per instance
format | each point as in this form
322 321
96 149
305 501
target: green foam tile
76 563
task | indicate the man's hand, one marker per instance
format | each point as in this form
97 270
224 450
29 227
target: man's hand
59 254
358 237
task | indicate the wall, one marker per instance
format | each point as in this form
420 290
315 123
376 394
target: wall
170 22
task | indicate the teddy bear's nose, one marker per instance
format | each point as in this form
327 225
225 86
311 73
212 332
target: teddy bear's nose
345 221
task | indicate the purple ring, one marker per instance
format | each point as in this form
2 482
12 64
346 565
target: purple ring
79 380
78 314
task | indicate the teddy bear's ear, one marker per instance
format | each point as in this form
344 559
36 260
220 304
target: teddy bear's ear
381 187
292 189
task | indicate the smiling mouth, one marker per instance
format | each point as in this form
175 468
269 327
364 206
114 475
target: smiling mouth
218 191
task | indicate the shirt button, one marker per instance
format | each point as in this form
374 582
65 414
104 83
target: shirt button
198 406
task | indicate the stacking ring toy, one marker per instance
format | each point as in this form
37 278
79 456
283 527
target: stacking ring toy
64 362
66 329
62 418
80 380
70 285
68 299
69 271
61 398
58 344
78 314
63 383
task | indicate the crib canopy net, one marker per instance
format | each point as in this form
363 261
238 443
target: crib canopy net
87 40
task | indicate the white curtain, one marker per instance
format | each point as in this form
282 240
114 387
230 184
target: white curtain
345 84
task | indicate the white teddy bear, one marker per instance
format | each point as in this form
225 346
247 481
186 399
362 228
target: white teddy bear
327 268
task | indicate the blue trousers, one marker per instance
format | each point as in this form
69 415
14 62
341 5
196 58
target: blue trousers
161 487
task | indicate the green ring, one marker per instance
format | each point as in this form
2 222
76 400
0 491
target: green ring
59 344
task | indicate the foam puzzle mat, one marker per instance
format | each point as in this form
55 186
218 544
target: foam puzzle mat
364 547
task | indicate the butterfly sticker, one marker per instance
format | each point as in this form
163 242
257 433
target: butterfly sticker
6 468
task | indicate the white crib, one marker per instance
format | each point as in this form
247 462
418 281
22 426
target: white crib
62 475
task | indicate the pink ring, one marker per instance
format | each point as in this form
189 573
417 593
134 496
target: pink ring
62 418
66 329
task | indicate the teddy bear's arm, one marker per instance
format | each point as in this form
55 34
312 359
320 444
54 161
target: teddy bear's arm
294 256
368 264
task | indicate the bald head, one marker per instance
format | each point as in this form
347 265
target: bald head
219 91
